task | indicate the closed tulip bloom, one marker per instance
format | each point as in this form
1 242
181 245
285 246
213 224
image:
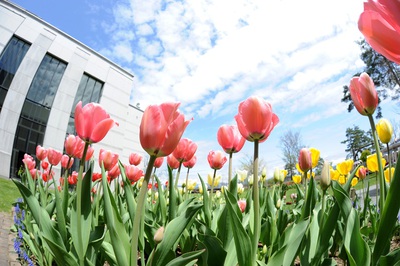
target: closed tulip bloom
361 172
114 172
363 94
342 179
185 150
158 162
135 158
159 235
255 119
172 162
189 164
64 161
29 161
345 167
305 160
354 181
92 122
47 175
133 173
73 178
314 157
389 173
242 205
108 158
380 25
216 159
45 164
70 144
53 156
325 181
384 130
230 139
372 162
161 128
296 179
41 153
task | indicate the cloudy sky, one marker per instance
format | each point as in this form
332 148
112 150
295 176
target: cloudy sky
212 54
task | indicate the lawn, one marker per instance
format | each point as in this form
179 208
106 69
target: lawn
9 194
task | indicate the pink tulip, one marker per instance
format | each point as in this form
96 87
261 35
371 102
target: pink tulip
44 165
47 175
305 161
158 162
242 205
255 119
96 176
92 122
29 161
71 143
53 156
73 178
34 173
133 173
185 150
135 158
64 161
161 129
380 25
114 172
41 153
108 158
189 164
363 94
172 162
216 159
230 139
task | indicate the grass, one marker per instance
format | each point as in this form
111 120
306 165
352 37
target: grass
9 194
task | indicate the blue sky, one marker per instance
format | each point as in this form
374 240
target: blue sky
211 55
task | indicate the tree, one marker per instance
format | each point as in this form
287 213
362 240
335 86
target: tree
247 164
357 140
291 144
384 73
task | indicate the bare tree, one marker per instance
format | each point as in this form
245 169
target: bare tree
247 164
291 143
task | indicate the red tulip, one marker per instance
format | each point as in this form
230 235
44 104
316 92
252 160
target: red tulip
172 162
363 94
230 139
29 161
47 175
216 159
92 122
380 25
242 205
185 150
255 119
44 165
133 173
72 144
135 158
189 164
108 158
64 161
161 129
158 162
96 176
114 172
53 156
41 153
305 161
73 178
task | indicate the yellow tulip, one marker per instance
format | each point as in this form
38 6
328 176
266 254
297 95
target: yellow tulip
384 130
342 179
240 188
308 175
314 157
354 181
191 185
334 174
216 180
283 174
298 169
201 189
345 167
242 175
372 162
296 179
386 173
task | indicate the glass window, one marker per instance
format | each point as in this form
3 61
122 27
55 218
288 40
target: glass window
10 59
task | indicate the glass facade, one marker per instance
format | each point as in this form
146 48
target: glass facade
36 110
10 59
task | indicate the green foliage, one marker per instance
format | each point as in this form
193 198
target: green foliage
9 194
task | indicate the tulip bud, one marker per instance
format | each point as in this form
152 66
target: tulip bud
384 130
159 235
305 161
242 205
264 173
264 249
325 176
278 204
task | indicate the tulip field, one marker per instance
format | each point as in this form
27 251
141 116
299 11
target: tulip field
124 215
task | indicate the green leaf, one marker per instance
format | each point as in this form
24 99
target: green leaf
172 233
215 252
311 199
242 239
233 186
206 203
189 258
162 202
391 259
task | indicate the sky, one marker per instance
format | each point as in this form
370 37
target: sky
210 55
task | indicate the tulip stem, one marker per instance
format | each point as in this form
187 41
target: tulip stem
187 182
177 175
139 216
230 170
390 162
212 189
256 199
380 167
79 247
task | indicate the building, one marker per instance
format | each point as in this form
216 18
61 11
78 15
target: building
43 74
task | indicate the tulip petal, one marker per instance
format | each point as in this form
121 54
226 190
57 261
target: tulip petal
101 129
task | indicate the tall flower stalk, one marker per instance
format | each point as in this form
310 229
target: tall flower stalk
256 200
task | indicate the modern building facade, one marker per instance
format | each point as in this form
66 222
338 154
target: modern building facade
44 73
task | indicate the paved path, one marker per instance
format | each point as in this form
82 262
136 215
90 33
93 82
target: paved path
8 257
